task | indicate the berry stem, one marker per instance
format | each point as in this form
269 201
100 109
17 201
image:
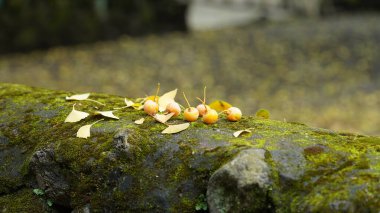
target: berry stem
204 95
186 99
158 89
202 102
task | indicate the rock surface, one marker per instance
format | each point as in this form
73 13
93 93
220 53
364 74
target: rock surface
279 167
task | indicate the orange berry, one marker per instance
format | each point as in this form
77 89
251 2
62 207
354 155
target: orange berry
203 108
173 107
210 117
150 107
191 114
233 114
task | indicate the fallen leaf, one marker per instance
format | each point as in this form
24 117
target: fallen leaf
78 97
238 133
220 105
85 131
139 121
171 129
165 99
76 116
162 118
138 106
129 103
108 114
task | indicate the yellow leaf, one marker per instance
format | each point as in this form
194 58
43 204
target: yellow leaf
165 99
152 97
220 105
162 118
171 129
76 115
84 131
78 97
139 121
263 113
238 133
129 103
107 114
138 106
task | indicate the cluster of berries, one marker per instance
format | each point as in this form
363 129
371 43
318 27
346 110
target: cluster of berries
191 114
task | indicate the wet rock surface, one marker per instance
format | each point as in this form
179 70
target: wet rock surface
280 166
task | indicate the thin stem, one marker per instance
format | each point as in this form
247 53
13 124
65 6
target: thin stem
204 95
94 101
186 99
97 121
158 89
201 100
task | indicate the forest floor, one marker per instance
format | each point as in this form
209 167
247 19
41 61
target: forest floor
324 72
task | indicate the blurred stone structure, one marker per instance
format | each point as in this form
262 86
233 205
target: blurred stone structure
213 14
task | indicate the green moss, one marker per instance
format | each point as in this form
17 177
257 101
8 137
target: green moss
100 173
21 201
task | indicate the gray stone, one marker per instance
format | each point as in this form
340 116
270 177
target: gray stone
241 185
49 176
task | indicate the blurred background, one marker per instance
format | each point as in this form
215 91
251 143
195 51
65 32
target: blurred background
310 61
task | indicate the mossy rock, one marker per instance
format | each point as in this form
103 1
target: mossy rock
284 167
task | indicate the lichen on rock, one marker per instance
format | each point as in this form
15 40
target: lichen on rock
280 166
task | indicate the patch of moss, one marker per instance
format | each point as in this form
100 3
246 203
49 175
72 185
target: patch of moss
22 201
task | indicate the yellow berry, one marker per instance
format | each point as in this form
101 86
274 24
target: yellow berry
191 114
233 114
173 107
150 107
203 108
210 117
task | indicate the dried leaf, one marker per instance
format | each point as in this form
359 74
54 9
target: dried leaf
163 118
84 131
139 121
78 97
220 105
129 103
238 133
76 116
107 114
165 99
176 128
138 106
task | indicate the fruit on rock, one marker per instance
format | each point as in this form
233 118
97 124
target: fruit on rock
150 107
173 107
210 117
233 114
203 109
191 114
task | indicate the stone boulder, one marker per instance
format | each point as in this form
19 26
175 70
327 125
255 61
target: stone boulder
124 167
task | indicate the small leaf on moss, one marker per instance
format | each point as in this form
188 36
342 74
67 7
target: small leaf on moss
165 99
163 118
139 121
85 131
76 115
171 129
78 97
49 203
220 105
263 113
38 192
129 103
108 114
238 133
